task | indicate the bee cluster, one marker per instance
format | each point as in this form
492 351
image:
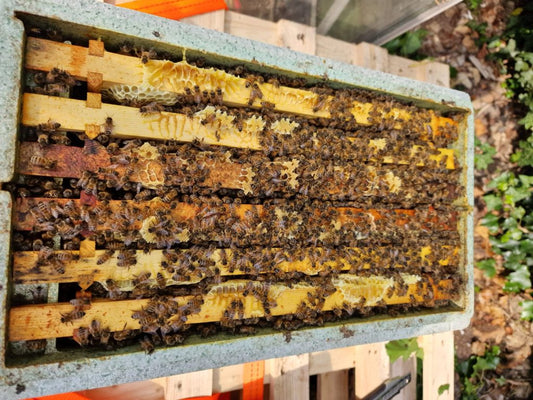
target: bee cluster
322 199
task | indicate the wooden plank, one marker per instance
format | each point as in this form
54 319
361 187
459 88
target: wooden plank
41 321
333 385
212 20
295 36
372 367
434 72
168 76
250 27
230 378
289 378
335 49
146 390
402 367
78 268
192 384
371 56
438 365
128 122
322 362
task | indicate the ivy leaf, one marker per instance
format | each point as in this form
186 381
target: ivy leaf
518 212
518 280
491 222
526 246
527 310
516 193
502 182
512 234
484 155
403 348
488 266
489 361
443 388
501 380
527 121
493 202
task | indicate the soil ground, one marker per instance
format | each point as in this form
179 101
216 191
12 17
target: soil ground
496 319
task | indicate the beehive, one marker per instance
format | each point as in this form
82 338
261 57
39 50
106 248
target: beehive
176 196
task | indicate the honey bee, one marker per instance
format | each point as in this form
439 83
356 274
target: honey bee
49 126
105 257
81 303
114 291
147 345
161 280
95 329
320 103
146 55
218 96
43 139
174 339
346 333
81 336
255 93
143 277
60 138
169 196
72 316
151 108
43 162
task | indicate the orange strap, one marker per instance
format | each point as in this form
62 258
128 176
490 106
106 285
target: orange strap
253 375
175 9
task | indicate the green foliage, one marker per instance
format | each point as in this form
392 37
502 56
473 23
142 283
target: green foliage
483 155
527 310
408 44
403 348
473 5
443 388
510 222
471 372
488 266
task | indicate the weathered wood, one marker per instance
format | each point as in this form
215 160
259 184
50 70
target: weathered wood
322 362
167 76
402 367
296 36
438 366
26 272
146 390
333 385
372 367
214 20
41 321
187 385
289 378
250 27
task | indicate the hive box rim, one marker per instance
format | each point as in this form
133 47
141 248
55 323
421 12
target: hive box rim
37 380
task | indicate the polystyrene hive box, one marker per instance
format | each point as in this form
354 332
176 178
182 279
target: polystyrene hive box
320 181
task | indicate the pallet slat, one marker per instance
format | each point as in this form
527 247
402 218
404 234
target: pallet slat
41 321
